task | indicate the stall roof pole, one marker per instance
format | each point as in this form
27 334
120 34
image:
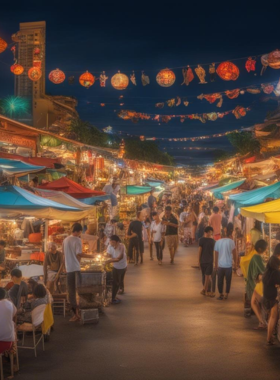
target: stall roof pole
270 254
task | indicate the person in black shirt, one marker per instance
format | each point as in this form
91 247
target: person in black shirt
151 200
134 233
271 280
19 289
171 223
206 258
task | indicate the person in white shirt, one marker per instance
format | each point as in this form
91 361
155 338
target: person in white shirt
157 231
72 249
7 327
118 253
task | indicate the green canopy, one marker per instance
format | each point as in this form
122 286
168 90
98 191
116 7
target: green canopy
217 193
136 190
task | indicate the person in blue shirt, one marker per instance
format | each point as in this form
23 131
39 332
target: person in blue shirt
225 253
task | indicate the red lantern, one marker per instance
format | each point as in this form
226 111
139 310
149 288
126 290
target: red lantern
228 71
17 69
3 45
166 78
37 51
273 59
57 76
34 73
37 63
120 81
87 79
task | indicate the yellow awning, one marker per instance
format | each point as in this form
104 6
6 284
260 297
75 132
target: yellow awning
268 212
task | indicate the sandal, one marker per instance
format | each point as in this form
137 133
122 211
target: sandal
203 292
261 326
220 298
210 294
270 343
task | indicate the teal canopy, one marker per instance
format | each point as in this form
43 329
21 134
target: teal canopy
254 197
217 193
15 167
93 200
153 184
14 197
136 190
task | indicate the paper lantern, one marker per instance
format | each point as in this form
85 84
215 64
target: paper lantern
228 71
17 69
3 45
120 81
34 73
37 51
37 63
273 59
57 76
87 79
166 78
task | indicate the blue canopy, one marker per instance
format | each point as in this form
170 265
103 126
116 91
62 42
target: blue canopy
92 200
153 184
14 167
254 197
217 193
14 197
17 201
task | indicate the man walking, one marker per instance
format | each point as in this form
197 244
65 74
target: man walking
134 233
215 221
157 235
171 223
151 201
225 251
206 258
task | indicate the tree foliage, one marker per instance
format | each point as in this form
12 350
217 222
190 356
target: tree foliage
87 133
146 151
244 142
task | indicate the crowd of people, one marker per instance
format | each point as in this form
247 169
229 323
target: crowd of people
162 222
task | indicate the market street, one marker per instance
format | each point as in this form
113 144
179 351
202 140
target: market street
163 329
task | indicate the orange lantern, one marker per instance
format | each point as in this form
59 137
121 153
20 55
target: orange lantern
3 45
34 73
57 76
273 59
228 71
17 69
87 79
37 63
166 78
120 81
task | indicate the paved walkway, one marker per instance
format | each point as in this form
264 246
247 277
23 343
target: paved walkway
163 329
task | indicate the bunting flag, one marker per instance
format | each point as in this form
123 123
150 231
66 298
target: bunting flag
198 138
134 116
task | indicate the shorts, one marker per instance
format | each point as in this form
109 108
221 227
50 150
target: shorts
268 304
207 269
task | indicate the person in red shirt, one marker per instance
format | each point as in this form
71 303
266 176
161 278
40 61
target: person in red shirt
215 221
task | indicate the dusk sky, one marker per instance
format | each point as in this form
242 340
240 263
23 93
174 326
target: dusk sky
150 36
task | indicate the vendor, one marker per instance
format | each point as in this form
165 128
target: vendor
2 256
34 182
53 265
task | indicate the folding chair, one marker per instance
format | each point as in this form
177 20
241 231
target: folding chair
37 316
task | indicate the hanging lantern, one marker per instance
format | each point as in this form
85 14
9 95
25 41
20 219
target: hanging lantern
166 78
87 79
37 51
57 76
34 73
273 59
120 81
17 69
228 71
37 63
3 45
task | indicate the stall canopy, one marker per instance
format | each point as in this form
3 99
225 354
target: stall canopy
63 198
136 190
254 197
266 212
16 201
154 184
218 192
72 188
41 161
93 200
15 167
208 187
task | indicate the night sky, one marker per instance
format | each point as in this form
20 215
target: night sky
151 36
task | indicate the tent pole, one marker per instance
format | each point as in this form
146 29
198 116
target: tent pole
270 239
46 235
